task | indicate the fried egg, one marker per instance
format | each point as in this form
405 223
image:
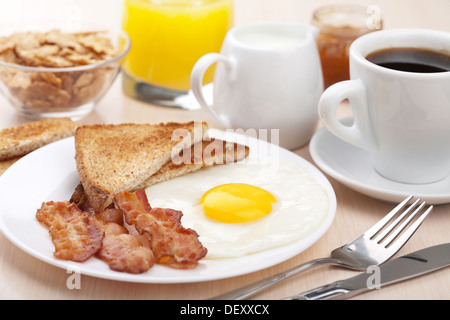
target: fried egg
243 208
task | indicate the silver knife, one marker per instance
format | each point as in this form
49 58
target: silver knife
403 268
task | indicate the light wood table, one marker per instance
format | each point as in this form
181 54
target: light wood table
25 277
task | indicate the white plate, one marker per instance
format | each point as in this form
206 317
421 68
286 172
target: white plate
49 173
353 167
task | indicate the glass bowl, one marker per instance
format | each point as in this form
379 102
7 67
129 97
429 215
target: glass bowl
61 90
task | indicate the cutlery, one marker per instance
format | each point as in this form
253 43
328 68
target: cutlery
373 247
406 267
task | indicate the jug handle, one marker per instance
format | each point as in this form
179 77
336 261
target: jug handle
197 75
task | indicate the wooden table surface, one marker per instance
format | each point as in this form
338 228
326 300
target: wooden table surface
25 277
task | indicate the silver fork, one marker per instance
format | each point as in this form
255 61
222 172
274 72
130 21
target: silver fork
373 247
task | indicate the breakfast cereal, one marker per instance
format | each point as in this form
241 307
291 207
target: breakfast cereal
57 90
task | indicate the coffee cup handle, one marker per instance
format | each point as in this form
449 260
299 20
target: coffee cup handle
197 75
360 133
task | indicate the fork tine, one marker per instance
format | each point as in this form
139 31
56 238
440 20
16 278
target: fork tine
394 234
394 224
380 224
398 243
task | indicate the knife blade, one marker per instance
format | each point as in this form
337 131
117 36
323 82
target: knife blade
405 267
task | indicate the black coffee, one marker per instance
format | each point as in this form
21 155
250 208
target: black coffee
411 60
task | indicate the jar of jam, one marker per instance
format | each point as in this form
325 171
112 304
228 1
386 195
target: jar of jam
339 26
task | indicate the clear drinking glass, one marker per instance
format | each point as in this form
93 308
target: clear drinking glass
339 26
168 37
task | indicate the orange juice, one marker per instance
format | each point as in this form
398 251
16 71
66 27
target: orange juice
169 36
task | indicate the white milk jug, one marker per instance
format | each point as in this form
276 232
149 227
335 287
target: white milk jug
268 76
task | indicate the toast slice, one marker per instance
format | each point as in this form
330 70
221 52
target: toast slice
5 164
20 140
114 158
202 154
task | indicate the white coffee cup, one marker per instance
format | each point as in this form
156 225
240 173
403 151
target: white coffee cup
402 117
268 76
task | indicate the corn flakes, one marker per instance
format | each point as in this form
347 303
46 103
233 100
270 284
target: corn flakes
47 91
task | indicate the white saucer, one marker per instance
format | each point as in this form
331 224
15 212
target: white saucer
353 167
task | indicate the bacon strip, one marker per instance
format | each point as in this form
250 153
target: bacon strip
74 234
121 250
171 243
133 204
111 215
78 235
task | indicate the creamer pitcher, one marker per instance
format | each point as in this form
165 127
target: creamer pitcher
268 76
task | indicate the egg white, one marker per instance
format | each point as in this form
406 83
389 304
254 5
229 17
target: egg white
302 206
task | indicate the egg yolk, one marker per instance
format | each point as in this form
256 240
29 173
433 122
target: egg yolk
237 202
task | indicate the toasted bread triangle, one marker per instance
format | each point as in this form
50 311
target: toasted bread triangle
18 141
116 158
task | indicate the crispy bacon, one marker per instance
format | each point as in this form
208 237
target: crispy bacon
78 234
74 234
79 198
108 215
133 204
171 243
123 252
120 250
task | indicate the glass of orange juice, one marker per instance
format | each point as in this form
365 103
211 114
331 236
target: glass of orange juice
167 39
